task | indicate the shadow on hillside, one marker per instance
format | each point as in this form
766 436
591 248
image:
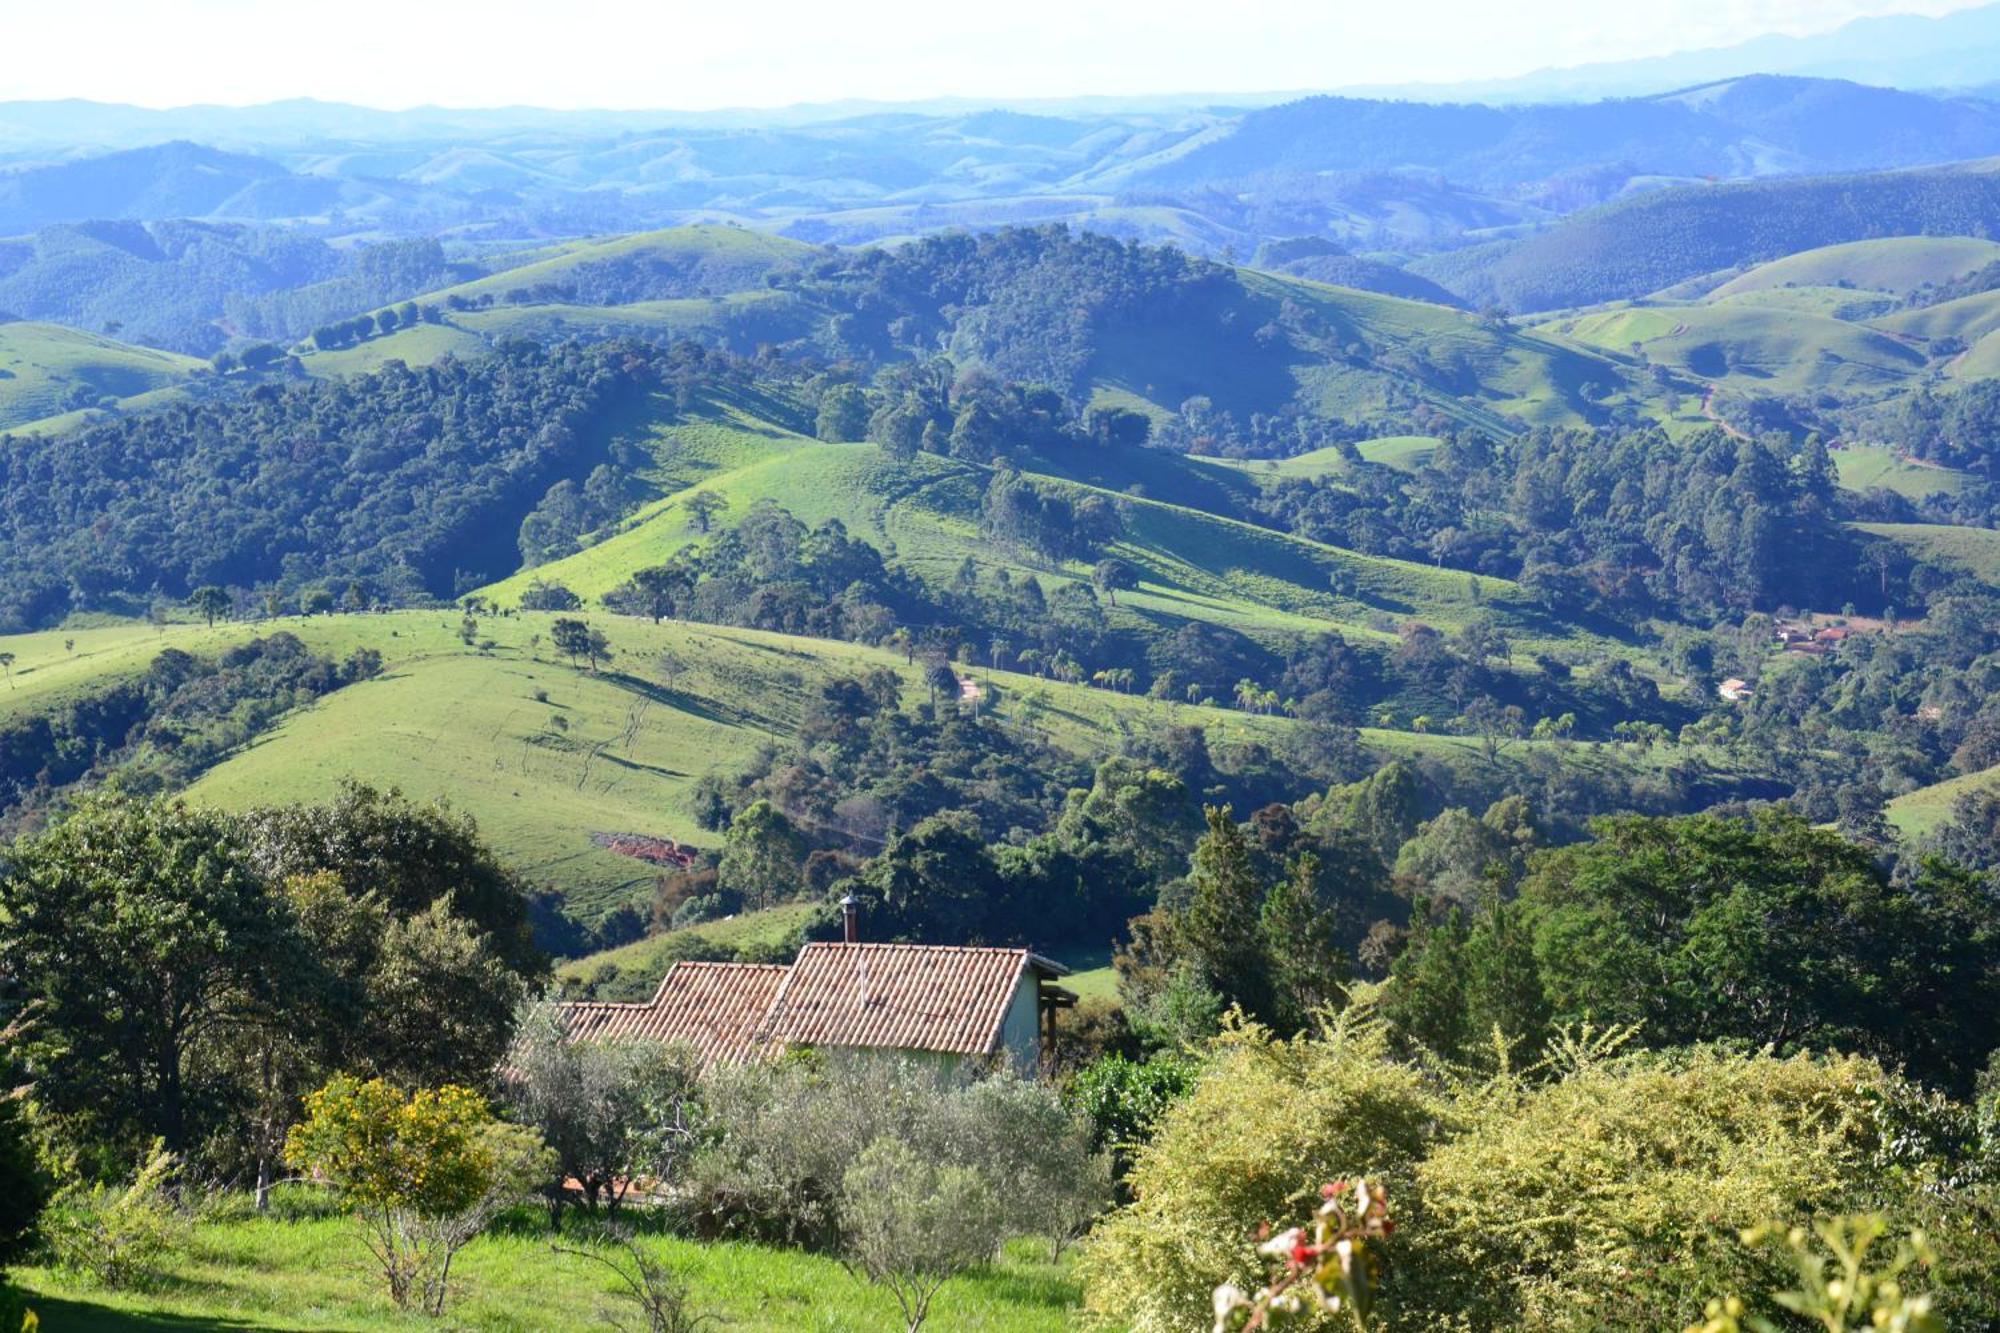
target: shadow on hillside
82 1317
679 700
638 767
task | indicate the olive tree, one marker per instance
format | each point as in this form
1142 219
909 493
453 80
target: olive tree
613 1113
911 1223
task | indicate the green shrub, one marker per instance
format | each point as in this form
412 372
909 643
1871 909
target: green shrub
24 1187
1608 1191
1124 1099
119 1237
779 1140
1614 1197
1267 1123
910 1222
1845 1281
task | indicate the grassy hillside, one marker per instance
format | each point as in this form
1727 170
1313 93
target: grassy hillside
606 753
1865 467
1333 351
1404 452
47 370
418 346
1768 351
1844 303
1193 564
272 1274
1976 550
722 319
546 755
542 754
1898 264
1653 240
1916 813
677 262
1980 361
1360 343
1969 318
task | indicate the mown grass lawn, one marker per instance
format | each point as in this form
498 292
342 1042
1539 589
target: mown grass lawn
312 1275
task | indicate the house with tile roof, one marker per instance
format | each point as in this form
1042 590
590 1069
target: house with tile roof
949 1004
716 1008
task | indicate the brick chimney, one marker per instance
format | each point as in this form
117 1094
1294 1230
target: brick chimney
850 919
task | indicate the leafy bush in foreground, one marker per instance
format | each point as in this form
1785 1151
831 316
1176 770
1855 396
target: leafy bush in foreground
1266 1124
424 1173
1613 1197
1609 1191
119 1236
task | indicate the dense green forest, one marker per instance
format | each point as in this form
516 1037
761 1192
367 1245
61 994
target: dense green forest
406 484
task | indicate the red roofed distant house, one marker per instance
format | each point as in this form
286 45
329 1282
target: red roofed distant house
948 1004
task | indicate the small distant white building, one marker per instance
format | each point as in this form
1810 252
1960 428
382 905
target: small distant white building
947 1004
1734 690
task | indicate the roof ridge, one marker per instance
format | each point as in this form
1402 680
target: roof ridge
905 944
712 962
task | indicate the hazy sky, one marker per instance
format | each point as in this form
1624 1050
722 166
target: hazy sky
676 54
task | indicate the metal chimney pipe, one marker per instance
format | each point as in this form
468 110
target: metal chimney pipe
850 918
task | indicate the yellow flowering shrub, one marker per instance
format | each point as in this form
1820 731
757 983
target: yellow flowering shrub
424 1173
381 1148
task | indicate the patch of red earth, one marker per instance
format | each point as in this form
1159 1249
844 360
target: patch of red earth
645 847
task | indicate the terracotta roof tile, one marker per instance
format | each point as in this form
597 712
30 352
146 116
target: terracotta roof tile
913 997
714 1007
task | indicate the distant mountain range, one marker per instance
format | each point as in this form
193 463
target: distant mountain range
1954 51
1369 174
185 245
1754 126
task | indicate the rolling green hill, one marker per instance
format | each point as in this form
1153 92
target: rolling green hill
1976 550
1865 467
1916 813
1764 350
645 266
1980 361
1844 303
739 318
47 370
542 754
1969 318
1358 344
418 346
1897 264
546 755
1193 564
1404 452
1653 240
1329 351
